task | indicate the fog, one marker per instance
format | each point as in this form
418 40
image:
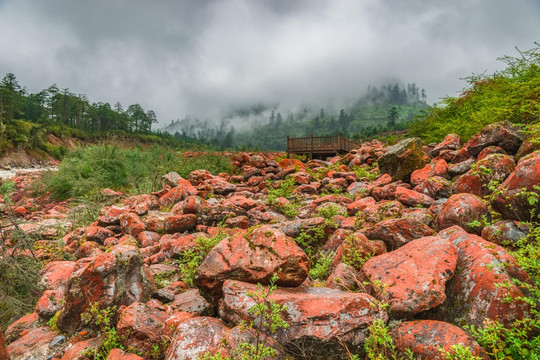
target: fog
204 58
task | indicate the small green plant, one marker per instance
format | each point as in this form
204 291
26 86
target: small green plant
459 352
191 259
354 256
321 269
103 320
379 344
329 210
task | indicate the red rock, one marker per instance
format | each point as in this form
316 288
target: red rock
478 292
88 249
301 178
375 213
20 210
450 142
241 202
220 186
462 210
180 223
461 156
49 303
178 193
502 134
382 180
412 198
118 354
345 278
257 161
398 232
240 222
386 192
490 150
172 179
358 189
78 350
332 198
253 257
460 167
131 224
191 205
110 215
437 168
192 302
511 199
148 238
494 167
154 221
295 227
114 278
360 205
195 337
34 344
54 275
291 163
425 338
335 240
413 276
436 187
326 317
424 216
25 323
312 188
198 176
111 194
97 234
174 245
357 246
504 232
141 327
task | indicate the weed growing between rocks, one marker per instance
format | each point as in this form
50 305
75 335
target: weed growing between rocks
87 170
103 320
19 267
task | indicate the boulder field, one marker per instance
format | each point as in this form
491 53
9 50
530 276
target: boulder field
412 236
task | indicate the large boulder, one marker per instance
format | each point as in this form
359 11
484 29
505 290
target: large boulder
514 199
253 256
140 327
494 167
398 232
426 339
502 134
465 210
34 344
413 277
402 159
111 279
320 319
483 281
196 337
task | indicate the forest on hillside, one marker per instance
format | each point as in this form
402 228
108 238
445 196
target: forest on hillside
389 107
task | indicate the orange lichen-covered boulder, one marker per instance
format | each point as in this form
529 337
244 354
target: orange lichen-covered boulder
398 232
195 337
114 278
3 352
118 354
32 345
482 282
463 210
141 326
253 256
325 318
413 277
178 193
425 338
512 200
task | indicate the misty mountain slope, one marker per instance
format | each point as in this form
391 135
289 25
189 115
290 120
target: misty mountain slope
266 126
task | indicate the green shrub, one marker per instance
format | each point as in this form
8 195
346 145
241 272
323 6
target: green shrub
511 94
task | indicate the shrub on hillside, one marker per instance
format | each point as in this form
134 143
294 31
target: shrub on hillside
511 94
87 170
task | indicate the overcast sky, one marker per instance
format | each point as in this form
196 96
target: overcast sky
202 57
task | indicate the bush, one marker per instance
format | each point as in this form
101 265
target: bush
87 170
511 94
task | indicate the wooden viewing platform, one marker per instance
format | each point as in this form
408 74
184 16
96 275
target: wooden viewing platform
320 146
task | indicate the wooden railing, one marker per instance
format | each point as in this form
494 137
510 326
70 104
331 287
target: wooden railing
319 143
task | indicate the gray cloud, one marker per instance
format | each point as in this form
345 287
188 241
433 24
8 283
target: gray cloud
202 57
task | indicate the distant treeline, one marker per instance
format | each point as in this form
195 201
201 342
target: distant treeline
386 108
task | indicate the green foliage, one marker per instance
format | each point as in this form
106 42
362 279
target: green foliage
354 256
310 239
321 268
87 170
365 172
103 320
379 344
459 352
191 259
329 210
284 189
511 94
19 268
